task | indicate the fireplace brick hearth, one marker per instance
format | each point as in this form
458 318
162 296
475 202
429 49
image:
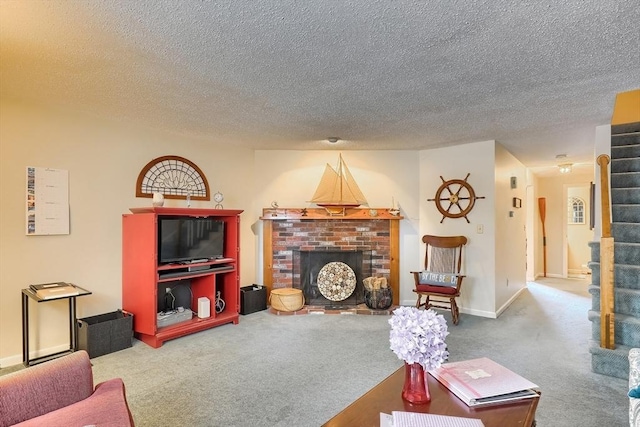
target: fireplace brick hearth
290 230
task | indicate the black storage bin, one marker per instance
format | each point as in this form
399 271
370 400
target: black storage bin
253 298
105 333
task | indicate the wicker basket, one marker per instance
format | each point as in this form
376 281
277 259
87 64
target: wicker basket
286 299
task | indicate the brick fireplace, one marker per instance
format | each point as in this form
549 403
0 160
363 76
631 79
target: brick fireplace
372 233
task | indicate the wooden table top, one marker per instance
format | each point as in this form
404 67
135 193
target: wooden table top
386 397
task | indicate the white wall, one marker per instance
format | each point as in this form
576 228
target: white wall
103 159
476 159
510 235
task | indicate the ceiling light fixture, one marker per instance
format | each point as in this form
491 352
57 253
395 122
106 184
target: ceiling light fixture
333 139
565 167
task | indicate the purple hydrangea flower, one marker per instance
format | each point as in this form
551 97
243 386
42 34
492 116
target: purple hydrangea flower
417 336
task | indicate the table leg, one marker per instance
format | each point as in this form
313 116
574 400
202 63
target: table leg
25 330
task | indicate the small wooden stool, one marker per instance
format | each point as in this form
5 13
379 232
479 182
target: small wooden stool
286 299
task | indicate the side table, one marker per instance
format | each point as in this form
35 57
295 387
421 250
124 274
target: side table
73 335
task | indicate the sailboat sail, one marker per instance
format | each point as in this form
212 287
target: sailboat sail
353 188
338 188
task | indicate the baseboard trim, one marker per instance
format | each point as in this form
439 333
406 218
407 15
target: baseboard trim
479 313
510 301
552 275
473 312
17 358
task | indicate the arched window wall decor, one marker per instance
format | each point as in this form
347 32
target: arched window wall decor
173 176
576 212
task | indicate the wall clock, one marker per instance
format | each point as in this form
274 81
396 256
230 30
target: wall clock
455 198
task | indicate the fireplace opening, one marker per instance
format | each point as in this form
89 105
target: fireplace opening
326 276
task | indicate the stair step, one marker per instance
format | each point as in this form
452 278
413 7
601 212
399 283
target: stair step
625 232
625 276
629 138
624 253
626 302
625 196
625 129
625 165
626 151
625 213
613 363
625 180
626 328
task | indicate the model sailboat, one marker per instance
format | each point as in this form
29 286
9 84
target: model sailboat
338 190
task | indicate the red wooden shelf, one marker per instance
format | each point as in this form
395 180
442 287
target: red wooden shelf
142 277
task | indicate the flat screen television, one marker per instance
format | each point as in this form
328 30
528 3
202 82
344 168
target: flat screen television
184 239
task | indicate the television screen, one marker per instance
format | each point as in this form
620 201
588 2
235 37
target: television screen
189 238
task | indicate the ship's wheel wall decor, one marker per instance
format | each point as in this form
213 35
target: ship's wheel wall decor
455 198
173 176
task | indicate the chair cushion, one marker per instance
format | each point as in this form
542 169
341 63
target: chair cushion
438 279
437 289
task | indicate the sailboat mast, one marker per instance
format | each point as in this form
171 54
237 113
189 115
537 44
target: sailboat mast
341 179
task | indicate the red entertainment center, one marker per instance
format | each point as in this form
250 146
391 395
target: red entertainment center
145 277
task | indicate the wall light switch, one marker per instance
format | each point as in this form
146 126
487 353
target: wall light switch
479 228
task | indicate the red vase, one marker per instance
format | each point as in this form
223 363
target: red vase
416 387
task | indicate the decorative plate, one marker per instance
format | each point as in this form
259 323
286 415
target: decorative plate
336 281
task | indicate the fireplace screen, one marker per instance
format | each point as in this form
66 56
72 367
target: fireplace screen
331 277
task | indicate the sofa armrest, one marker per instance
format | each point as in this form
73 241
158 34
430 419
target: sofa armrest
106 407
634 381
43 388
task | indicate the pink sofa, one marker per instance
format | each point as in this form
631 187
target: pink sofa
60 392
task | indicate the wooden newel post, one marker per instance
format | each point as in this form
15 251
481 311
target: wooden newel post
607 314
603 161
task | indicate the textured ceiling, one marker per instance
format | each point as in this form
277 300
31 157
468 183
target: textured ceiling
536 76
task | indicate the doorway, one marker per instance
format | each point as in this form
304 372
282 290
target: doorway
578 232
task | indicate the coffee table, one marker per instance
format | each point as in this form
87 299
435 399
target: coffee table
385 397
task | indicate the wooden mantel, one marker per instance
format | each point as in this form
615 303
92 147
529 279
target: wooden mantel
269 215
320 213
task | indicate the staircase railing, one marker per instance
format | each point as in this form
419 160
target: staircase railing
607 314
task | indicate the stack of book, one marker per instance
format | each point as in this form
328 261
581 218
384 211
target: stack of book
54 290
483 382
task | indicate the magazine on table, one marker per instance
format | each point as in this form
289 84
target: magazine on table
416 419
483 382
54 290
51 285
